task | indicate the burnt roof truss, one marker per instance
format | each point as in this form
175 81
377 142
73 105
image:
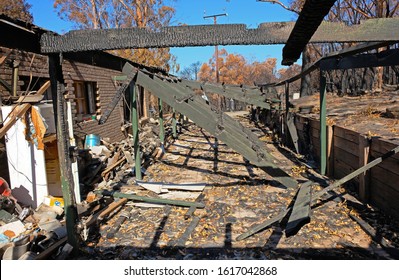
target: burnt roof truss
222 126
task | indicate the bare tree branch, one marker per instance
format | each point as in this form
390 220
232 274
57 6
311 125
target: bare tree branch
281 4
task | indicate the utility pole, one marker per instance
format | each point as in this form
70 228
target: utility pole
217 56
216 47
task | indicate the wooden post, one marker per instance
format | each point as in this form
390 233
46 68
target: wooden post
364 178
145 103
330 151
67 182
174 129
74 164
135 127
161 126
287 108
15 68
323 129
181 120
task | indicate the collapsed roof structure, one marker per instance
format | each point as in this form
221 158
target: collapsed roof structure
181 94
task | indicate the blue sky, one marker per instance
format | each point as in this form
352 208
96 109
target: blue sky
249 12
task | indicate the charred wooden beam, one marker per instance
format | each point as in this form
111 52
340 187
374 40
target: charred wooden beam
384 58
181 241
121 219
372 30
151 199
311 16
192 209
67 182
331 56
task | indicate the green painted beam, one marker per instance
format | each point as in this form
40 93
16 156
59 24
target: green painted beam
161 123
253 96
225 128
323 124
174 124
135 127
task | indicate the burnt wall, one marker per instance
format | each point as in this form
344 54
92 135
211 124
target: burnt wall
106 89
36 65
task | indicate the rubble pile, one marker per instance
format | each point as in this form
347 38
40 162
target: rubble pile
114 162
28 234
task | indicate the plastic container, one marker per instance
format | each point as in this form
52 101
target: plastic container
92 140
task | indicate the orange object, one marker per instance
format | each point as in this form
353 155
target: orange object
9 233
4 188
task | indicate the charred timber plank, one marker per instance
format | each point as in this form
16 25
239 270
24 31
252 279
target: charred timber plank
151 199
310 17
192 209
372 30
109 169
110 208
181 242
300 214
338 54
292 130
121 219
384 58
63 145
318 195
221 126
50 250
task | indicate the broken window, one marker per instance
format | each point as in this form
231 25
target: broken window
86 99
29 85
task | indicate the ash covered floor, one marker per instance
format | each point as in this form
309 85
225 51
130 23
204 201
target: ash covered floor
237 196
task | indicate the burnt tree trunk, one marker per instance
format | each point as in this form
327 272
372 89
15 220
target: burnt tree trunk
306 86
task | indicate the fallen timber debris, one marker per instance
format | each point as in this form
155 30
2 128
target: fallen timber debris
319 194
181 241
165 187
192 209
150 199
301 209
124 215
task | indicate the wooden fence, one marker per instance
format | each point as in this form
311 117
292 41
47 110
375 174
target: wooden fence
347 150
